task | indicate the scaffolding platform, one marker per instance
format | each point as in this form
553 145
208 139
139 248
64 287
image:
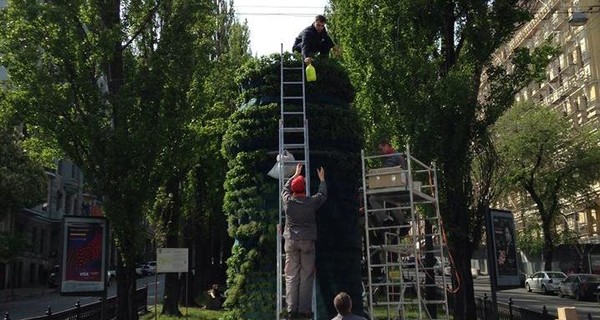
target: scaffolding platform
403 242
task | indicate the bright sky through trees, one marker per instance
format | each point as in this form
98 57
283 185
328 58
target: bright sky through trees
273 22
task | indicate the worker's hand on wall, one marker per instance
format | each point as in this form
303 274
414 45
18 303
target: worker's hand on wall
298 170
321 173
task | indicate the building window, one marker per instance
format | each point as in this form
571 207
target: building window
592 94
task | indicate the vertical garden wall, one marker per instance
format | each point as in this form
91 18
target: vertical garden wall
251 200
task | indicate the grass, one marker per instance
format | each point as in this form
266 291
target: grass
192 313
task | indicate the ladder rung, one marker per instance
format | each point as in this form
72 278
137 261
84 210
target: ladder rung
293 161
293 112
292 68
293 146
293 82
294 97
296 129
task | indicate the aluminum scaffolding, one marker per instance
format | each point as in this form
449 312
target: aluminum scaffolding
404 247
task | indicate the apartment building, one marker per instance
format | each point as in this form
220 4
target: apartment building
571 85
41 225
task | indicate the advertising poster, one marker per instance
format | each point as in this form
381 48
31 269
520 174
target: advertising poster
83 266
504 248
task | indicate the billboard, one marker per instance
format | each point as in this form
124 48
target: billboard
83 267
504 248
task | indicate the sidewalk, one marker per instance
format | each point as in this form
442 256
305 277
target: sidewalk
20 294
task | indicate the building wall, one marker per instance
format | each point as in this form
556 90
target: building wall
571 85
41 225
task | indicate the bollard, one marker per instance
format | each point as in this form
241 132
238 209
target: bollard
567 313
589 317
7 316
77 308
510 310
485 298
49 313
544 310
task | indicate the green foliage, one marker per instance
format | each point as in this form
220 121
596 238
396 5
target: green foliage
418 67
529 238
546 157
22 180
259 79
251 197
12 246
114 89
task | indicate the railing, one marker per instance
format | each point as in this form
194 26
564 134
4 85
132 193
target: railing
93 311
507 311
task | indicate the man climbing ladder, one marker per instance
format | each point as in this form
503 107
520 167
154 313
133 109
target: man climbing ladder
300 233
293 138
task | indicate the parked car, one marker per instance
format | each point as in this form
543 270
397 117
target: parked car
522 278
151 267
142 269
544 281
580 285
53 277
111 273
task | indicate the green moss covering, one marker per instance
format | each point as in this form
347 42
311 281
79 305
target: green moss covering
251 200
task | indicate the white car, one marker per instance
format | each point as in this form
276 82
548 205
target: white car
142 269
151 267
544 281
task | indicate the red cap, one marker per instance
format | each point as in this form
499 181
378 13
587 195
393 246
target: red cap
298 184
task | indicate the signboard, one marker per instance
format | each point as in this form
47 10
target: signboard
83 266
504 249
172 260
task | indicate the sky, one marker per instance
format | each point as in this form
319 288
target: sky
273 22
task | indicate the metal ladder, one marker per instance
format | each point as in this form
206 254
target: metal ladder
293 138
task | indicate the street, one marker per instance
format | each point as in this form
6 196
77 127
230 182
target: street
38 305
535 301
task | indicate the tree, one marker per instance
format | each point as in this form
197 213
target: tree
206 226
12 246
22 181
549 159
109 81
418 66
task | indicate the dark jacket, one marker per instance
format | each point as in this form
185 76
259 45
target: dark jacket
300 222
309 42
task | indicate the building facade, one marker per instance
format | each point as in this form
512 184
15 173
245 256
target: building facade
41 225
571 87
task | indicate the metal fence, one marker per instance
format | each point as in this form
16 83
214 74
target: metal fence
93 311
508 311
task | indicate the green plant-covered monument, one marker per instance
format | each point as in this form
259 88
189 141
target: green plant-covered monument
251 200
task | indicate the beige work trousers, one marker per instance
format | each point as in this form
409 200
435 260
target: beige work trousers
299 274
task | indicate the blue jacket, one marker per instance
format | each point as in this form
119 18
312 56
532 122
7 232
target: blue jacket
309 42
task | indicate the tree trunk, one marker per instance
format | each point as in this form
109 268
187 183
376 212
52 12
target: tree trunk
172 294
548 247
171 218
126 291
